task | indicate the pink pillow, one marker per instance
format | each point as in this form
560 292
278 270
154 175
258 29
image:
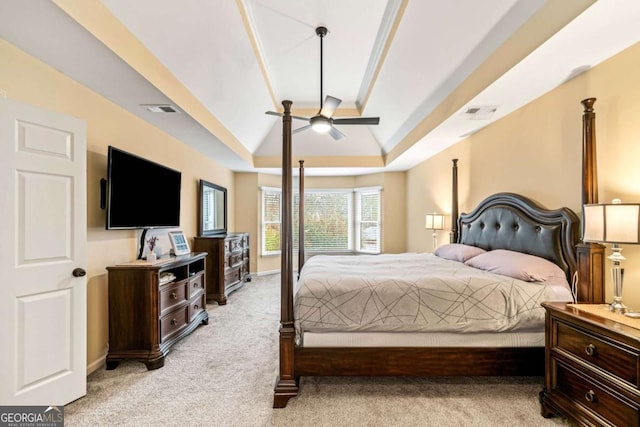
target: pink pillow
521 266
458 252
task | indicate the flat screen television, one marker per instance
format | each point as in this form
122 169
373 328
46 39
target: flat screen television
141 193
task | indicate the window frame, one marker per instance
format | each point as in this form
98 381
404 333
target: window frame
358 221
354 219
263 222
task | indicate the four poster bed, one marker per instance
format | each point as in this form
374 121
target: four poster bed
442 314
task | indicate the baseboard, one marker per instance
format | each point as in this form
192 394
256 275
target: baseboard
266 273
97 364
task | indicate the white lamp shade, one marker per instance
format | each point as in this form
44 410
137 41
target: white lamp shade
612 223
434 221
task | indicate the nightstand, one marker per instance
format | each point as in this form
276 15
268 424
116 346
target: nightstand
592 366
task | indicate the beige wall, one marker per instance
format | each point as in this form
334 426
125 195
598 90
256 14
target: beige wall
536 151
27 80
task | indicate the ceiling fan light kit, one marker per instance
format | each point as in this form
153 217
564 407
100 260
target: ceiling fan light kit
323 121
320 124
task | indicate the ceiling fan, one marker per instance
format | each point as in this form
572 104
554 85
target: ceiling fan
323 122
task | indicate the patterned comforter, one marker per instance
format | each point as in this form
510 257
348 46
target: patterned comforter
413 292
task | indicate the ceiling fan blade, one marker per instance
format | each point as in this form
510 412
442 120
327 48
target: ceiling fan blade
357 121
336 134
329 106
301 129
273 113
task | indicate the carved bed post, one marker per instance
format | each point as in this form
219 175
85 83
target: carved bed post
286 385
453 238
301 218
590 255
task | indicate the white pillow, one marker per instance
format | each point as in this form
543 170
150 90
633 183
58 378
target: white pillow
521 266
458 252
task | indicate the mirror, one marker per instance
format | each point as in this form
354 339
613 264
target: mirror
212 209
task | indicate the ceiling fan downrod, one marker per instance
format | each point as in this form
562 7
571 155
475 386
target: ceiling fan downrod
321 32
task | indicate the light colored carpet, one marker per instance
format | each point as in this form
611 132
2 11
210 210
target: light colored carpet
224 372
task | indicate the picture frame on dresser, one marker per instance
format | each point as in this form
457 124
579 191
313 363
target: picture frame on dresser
179 243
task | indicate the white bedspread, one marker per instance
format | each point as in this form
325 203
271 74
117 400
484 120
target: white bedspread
415 292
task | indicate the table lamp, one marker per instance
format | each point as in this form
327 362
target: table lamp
434 222
614 223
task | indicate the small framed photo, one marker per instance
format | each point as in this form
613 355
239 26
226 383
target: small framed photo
179 243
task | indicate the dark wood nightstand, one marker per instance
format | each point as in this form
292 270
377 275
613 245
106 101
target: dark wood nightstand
592 367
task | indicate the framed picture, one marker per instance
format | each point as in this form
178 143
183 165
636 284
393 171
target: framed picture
179 243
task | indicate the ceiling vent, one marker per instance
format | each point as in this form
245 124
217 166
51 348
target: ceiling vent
483 112
161 108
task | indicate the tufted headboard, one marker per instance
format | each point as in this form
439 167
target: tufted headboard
510 221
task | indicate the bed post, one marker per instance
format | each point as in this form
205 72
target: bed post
286 385
590 255
301 218
453 237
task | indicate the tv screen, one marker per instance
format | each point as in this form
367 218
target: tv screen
141 193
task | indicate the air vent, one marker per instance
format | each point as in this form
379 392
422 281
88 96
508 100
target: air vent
161 108
482 112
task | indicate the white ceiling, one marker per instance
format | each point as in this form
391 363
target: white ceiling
418 65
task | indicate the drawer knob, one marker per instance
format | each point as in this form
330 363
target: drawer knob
174 322
174 295
590 350
196 307
590 396
195 285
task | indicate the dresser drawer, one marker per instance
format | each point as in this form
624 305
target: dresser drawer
598 399
233 244
172 295
235 259
245 267
196 284
197 305
606 355
232 275
174 322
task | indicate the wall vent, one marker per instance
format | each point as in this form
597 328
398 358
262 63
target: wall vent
482 112
161 108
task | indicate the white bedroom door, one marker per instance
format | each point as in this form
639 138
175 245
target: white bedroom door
42 256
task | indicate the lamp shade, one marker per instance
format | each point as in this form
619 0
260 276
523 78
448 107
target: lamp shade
434 221
612 223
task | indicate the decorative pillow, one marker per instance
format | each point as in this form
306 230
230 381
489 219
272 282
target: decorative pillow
458 252
521 266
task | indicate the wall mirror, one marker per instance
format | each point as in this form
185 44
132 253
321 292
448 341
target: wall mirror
212 209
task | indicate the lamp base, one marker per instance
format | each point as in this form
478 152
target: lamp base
617 307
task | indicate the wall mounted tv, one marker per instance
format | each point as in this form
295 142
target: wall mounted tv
141 193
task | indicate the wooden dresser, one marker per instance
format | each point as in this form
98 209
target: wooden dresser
228 265
592 373
153 305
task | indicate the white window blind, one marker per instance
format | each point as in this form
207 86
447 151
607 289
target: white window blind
335 220
368 220
327 220
271 220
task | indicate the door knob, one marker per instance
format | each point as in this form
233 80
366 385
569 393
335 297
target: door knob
78 272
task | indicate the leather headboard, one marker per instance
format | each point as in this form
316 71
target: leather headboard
510 221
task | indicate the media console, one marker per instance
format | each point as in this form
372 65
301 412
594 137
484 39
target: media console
152 305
